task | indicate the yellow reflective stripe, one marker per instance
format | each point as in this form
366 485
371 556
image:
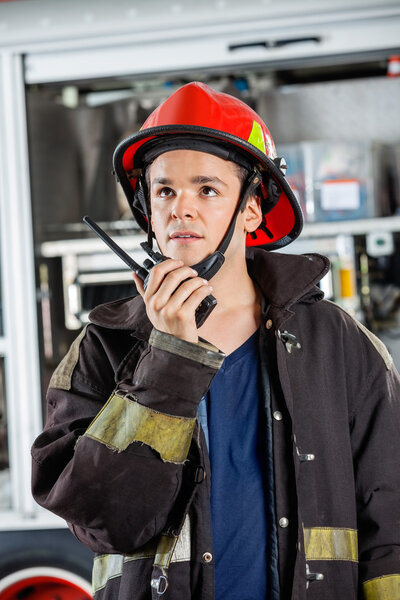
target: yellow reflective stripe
256 137
123 421
386 587
330 543
109 566
165 549
62 376
172 549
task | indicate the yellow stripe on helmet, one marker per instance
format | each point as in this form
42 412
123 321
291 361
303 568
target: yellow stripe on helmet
256 137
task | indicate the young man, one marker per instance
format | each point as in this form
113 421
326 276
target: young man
255 455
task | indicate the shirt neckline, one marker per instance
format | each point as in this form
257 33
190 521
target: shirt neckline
241 351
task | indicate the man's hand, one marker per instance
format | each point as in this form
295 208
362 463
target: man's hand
171 304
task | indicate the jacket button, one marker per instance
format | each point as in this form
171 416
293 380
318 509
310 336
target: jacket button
283 522
207 557
278 415
268 324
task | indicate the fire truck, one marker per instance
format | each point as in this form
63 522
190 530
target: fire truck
74 79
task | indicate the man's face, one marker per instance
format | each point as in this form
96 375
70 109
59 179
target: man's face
193 198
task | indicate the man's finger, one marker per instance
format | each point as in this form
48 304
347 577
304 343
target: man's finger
170 284
185 290
138 283
191 304
159 272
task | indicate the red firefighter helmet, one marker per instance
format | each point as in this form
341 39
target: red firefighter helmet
200 118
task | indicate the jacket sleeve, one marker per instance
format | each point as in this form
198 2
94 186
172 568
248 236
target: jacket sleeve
111 455
376 450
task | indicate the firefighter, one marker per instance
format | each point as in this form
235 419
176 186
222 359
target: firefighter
248 455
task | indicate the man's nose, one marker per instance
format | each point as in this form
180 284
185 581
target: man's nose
183 207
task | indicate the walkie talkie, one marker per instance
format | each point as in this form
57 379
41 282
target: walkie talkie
205 307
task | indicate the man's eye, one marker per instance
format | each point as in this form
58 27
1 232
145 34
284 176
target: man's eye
209 191
164 192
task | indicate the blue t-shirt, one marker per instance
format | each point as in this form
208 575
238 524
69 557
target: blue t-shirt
237 476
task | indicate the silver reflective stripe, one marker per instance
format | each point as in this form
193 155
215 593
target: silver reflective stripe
106 567
110 566
378 344
183 545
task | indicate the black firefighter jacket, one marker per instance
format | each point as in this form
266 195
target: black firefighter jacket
123 460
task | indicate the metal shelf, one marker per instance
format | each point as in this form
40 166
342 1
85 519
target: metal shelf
89 245
357 227
311 230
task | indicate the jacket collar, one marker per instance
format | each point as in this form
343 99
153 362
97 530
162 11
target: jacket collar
284 279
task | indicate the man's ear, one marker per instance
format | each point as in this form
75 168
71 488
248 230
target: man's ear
253 214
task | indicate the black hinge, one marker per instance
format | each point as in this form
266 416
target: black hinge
289 340
313 576
304 457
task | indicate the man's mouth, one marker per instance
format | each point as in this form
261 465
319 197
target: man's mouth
185 235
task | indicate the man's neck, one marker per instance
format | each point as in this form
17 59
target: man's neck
238 312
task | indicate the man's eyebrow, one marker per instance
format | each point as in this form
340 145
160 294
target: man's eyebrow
202 179
162 181
199 179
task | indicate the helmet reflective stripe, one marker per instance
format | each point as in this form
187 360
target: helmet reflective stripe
256 137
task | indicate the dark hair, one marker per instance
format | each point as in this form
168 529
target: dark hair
243 174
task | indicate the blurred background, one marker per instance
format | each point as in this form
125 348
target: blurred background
75 79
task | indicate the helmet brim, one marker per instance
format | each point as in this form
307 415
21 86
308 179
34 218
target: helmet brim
284 222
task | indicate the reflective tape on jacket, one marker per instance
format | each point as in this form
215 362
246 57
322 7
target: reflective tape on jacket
123 420
62 376
330 543
164 551
386 587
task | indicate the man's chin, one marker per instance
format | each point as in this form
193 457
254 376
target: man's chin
188 255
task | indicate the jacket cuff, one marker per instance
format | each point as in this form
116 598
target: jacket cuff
172 375
203 352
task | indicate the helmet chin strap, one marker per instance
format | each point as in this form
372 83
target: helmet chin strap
210 265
